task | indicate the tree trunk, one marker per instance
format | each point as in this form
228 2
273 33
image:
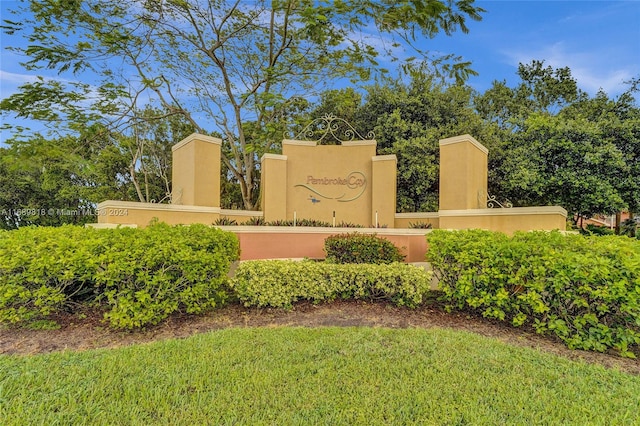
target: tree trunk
246 198
618 220
247 194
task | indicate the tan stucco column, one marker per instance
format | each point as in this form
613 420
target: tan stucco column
463 173
383 190
273 187
196 171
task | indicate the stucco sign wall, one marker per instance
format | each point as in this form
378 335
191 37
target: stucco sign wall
311 181
326 181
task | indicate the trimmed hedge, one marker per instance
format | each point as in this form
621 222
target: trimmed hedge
141 275
361 248
585 290
43 270
280 283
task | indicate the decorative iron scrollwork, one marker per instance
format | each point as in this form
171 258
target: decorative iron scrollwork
492 202
326 127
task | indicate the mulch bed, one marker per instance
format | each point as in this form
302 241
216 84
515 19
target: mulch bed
88 331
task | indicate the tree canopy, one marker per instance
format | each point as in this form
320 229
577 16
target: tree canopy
222 65
249 72
562 146
549 142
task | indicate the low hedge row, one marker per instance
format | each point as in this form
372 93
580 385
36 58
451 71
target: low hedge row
585 290
140 275
361 248
280 283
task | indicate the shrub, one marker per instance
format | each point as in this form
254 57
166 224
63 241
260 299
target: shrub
585 290
253 221
420 225
148 274
258 221
280 283
43 270
596 230
300 222
141 275
344 224
279 223
630 228
361 248
225 221
313 223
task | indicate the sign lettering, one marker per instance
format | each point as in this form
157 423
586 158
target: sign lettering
354 180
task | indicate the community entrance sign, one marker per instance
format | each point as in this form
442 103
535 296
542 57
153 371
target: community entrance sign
345 183
337 184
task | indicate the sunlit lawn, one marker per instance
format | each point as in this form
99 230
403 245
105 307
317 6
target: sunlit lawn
308 376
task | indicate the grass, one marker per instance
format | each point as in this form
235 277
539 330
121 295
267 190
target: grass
302 376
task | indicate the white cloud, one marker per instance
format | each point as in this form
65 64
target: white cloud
593 70
16 78
9 82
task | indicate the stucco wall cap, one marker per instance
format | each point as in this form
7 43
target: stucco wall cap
320 230
371 142
230 212
418 215
298 143
464 138
196 136
273 157
515 211
390 157
111 204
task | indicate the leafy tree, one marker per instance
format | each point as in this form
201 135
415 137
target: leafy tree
409 119
41 183
56 181
555 160
219 64
541 89
332 119
149 152
619 121
562 146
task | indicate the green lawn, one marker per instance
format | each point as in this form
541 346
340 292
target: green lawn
308 376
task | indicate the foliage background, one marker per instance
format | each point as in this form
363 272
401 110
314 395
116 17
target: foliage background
248 73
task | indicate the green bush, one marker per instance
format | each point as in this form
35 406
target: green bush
253 221
258 221
140 275
361 248
420 225
43 270
585 290
629 227
148 274
280 283
225 221
596 230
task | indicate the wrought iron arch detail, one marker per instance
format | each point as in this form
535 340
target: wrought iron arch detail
326 126
492 202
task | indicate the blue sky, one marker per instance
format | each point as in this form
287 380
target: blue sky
598 40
